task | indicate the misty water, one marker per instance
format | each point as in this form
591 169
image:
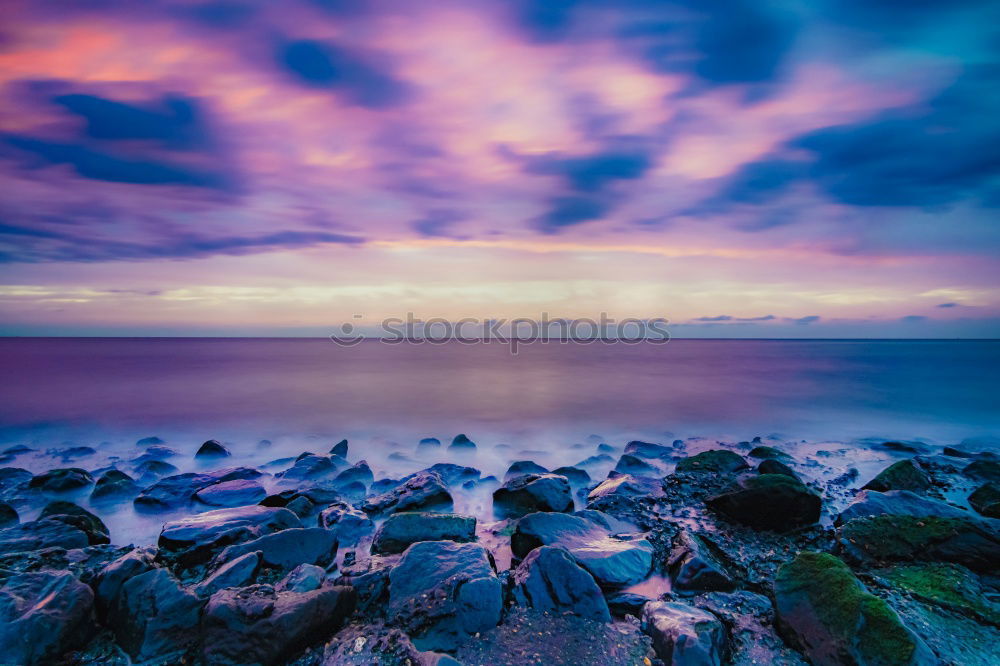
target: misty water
551 403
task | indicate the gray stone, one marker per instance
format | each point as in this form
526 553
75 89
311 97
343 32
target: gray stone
549 579
401 530
155 619
43 615
236 573
684 635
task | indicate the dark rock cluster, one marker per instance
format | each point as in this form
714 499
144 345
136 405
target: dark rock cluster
729 554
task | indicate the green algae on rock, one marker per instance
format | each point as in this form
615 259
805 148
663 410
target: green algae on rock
968 541
768 453
835 620
769 502
716 460
950 586
903 475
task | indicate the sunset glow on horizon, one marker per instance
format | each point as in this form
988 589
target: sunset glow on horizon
236 167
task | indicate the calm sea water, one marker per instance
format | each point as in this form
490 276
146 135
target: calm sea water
548 394
550 403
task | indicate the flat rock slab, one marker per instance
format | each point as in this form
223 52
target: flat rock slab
289 548
198 538
239 492
613 562
443 592
39 534
401 530
424 491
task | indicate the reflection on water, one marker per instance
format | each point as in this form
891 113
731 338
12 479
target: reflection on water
254 388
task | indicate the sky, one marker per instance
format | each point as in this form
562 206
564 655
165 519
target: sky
746 168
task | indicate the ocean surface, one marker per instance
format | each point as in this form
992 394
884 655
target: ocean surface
242 390
828 402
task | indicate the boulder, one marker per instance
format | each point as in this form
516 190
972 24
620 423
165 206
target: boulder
150 441
520 467
289 548
719 461
683 634
237 572
156 620
62 480
108 586
43 615
401 530
424 491
172 492
769 502
985 500
213 448
429 443
40 534
303 578
693 567
196 539
644 450
114 485
629 464
453 474
532 492
239 492
550 580
340 449
442 592
832 617
348 524
8 515
154 468
309 467
613 561
768 453
902 502
575 475
462 442
903 475
78 517
969 541
983 470
772 466
360 473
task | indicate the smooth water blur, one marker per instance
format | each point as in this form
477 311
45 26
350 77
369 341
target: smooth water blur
242 390
550 403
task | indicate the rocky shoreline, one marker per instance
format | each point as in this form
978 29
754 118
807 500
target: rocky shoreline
642 553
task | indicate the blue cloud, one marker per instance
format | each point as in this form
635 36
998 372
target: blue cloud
437 223
948 305
99 165
174 121
717 318
569 211
742 41
32 245
913 319
802 321
325 65
949 152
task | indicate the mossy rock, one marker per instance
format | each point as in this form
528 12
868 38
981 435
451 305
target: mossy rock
768 453
835 620
769 502
983 470
772 466
716 460
887 538
986 500
903 475
948 585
